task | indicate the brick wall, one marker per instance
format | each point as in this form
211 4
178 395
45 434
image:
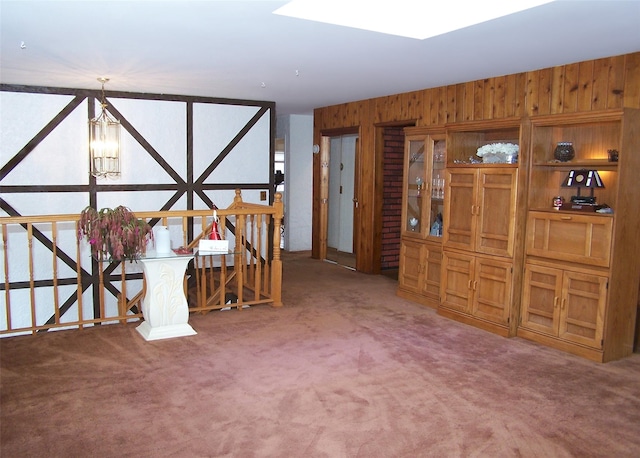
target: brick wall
392 202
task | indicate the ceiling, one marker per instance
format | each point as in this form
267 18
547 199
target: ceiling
239 49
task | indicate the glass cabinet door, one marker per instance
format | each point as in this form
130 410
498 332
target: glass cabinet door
415 184
436 198
425 163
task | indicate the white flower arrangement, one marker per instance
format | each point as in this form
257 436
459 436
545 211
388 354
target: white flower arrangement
507 149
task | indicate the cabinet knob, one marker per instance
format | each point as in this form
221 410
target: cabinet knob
567 218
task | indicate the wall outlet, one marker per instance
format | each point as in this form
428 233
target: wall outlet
263 195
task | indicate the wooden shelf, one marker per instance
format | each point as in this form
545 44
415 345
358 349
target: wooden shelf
569 212
598 164
481 164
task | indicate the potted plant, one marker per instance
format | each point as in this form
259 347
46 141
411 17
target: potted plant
114 234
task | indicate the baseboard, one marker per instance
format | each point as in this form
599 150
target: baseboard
501 330
414 297
558 344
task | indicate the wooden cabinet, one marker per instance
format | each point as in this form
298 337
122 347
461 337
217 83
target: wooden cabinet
512 263
564 303
481 214
422 213
419 272
479 287
582 268
483 227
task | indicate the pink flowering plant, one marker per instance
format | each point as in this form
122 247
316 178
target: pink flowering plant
114 234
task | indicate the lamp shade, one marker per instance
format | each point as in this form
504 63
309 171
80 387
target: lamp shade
583 179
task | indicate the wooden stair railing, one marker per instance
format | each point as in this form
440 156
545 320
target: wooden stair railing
50 281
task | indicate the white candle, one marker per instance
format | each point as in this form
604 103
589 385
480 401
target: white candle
163 240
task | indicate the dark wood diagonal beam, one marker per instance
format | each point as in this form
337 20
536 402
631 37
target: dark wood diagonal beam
38 235
145 144
225 152
68 303
35 141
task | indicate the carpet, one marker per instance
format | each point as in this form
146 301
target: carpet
344 369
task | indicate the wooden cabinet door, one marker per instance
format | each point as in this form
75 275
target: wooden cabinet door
582 308
492 290
456 290
459 221
541 299
432 268
495 210
584 239
410 275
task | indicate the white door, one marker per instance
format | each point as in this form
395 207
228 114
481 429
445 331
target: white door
342 158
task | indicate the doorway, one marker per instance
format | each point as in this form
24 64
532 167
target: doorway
342 201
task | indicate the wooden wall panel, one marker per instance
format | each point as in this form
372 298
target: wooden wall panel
632 81
601 69
414 106
570 88
468 101
427 109
510 88
452 114
478 92
499 97
441 109
557 90
585 86
545 78
532 100
487 99
615 83
607 83
399 107
433 107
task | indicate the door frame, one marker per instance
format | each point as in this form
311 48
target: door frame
324 153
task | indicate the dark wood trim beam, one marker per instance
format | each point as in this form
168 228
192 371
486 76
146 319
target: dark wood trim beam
35 141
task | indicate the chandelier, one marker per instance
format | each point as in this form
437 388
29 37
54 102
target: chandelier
104 142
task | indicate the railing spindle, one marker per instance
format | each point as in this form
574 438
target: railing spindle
32 292
54 254
7 291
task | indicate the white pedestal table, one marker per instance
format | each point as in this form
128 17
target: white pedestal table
165 308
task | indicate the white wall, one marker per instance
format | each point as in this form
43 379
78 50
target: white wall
53 176
61 159
297 130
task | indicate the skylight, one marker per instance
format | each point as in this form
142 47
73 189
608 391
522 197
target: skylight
406 18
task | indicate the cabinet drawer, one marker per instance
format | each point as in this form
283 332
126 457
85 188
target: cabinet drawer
569 237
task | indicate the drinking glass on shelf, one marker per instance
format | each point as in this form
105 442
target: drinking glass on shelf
413 222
